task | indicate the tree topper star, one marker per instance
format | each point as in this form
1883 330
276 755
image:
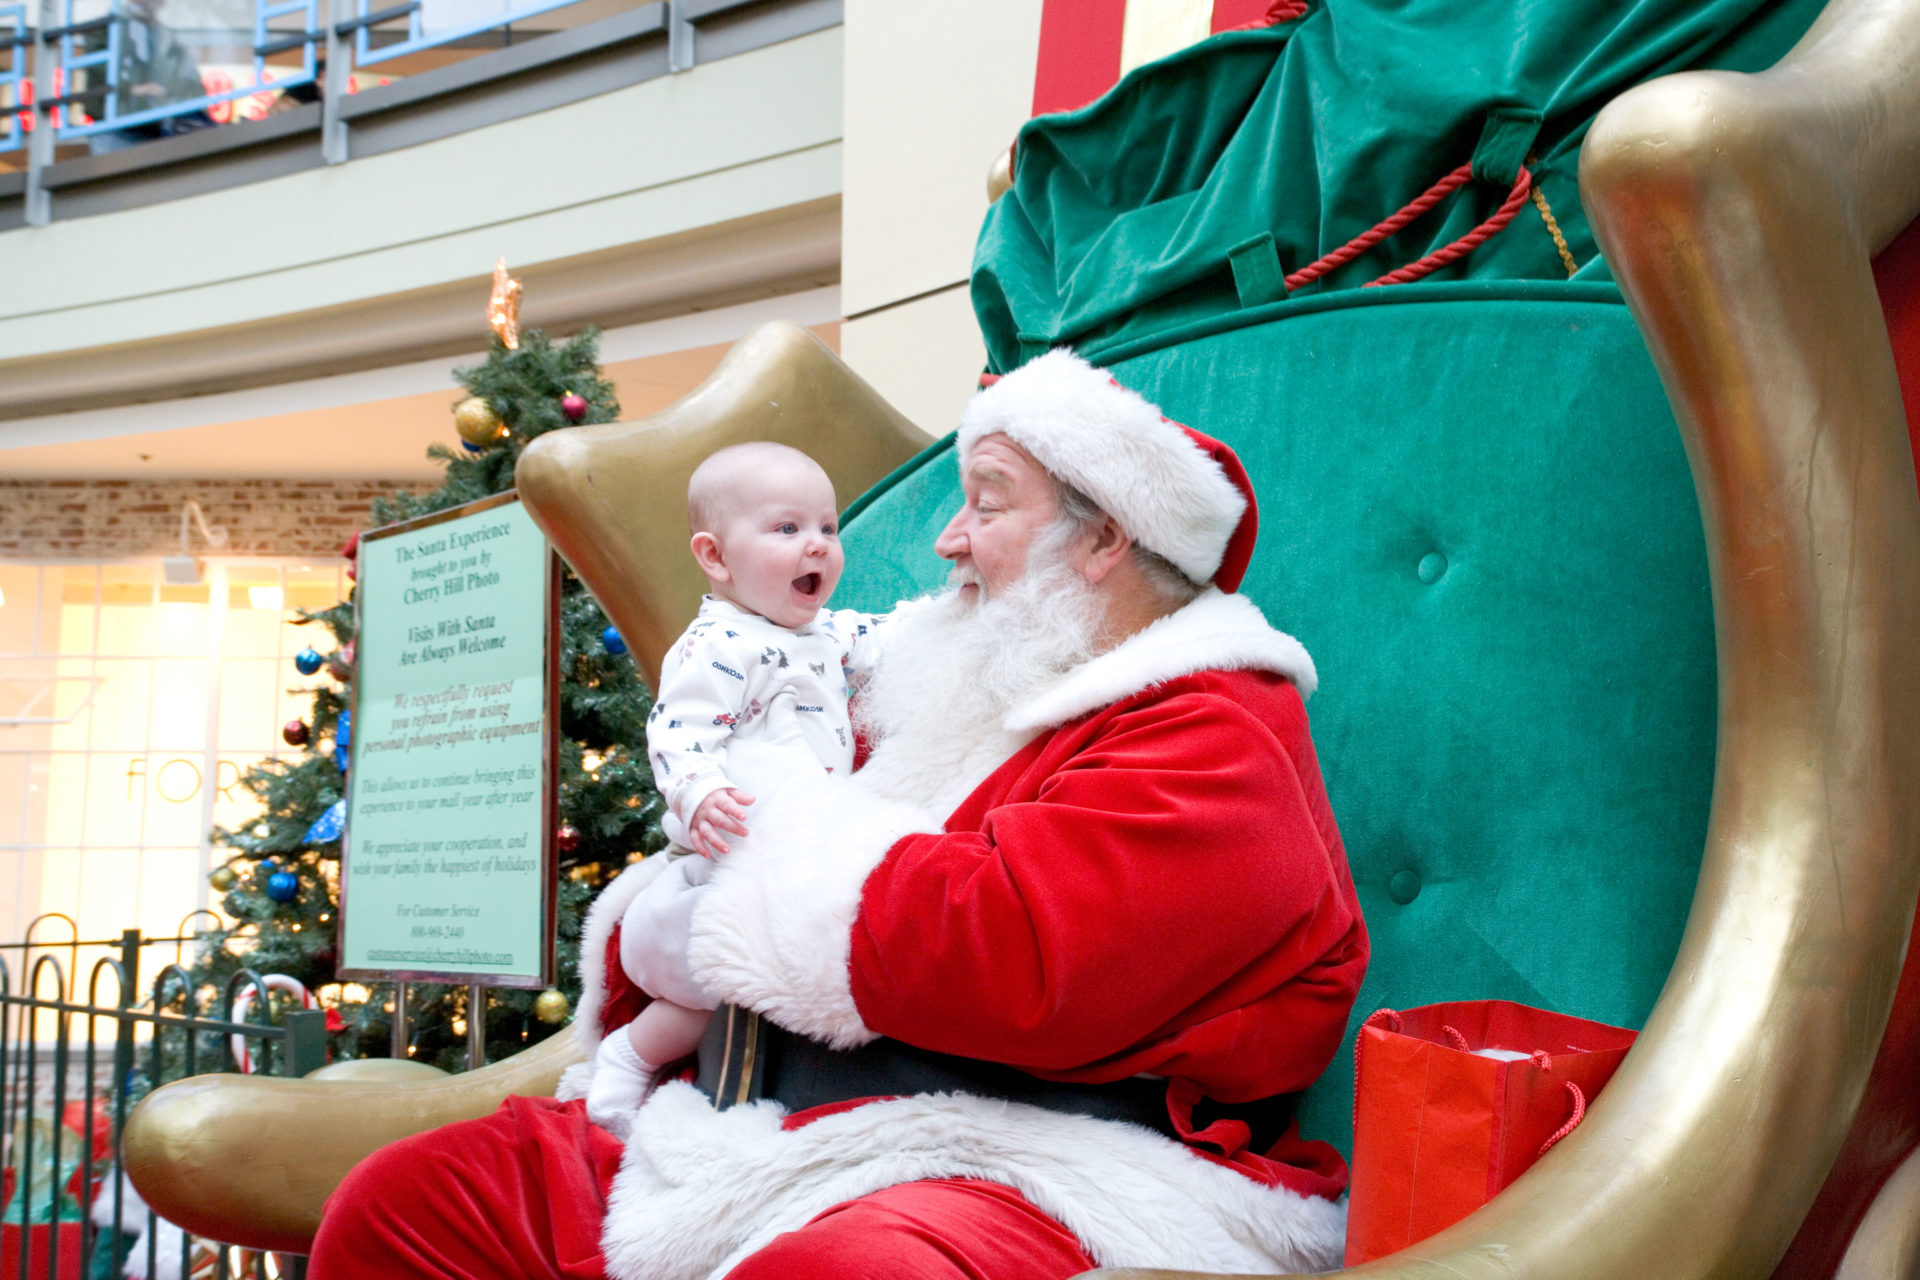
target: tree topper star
503 308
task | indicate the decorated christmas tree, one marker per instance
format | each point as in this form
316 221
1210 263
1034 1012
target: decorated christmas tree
282 880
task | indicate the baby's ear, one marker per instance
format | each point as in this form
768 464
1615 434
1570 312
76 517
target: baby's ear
708 555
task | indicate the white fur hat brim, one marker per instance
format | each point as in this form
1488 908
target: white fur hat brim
1112 445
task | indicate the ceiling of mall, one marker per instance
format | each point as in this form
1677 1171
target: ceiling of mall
381 437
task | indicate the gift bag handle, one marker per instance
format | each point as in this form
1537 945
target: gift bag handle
1573 1121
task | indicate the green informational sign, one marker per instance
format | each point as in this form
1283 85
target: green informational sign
448 868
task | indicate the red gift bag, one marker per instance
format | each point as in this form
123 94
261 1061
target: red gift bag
1439 1129
39 1245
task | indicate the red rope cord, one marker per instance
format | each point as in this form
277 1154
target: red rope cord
1353 248
1378 1015
1573 1121
1455 1039
1467 243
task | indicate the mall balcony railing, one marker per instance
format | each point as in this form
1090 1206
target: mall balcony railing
73 1062
73 106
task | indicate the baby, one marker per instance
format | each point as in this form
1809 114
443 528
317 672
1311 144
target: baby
761 663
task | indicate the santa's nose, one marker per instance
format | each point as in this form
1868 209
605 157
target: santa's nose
952 542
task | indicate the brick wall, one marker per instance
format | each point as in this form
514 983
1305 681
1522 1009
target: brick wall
109 519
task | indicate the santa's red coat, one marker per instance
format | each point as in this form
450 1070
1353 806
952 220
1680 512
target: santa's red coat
1141 875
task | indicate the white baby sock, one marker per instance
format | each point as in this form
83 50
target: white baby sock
621 1082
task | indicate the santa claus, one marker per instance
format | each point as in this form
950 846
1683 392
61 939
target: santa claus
1058 957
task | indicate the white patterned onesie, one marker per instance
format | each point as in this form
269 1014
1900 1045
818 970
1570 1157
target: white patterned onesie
736 677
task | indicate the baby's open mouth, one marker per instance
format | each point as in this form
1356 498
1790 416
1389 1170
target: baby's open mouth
807 584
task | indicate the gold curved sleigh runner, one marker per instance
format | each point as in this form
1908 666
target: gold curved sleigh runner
1739 214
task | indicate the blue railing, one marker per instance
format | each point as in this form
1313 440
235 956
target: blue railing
78 69
67 79
91 69
90 58
14 42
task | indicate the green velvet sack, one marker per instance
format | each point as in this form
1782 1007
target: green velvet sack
1126 217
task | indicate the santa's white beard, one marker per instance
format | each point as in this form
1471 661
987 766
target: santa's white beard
953 667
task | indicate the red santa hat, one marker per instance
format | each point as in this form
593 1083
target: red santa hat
1178 493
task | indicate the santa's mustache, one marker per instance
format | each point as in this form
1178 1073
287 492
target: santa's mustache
965 575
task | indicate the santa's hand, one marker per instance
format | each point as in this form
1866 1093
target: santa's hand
724 810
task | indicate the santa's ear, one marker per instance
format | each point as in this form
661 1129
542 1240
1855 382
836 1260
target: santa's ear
708 554
1111 547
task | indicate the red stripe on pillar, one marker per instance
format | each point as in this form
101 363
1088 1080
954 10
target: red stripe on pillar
1079 52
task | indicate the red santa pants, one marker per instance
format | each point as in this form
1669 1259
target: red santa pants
521 1195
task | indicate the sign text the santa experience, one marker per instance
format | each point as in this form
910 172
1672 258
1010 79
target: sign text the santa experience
447 871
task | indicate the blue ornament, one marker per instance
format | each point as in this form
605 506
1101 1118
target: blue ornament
343 732
307 661
340 759
283 886
610 641
328 826
471 447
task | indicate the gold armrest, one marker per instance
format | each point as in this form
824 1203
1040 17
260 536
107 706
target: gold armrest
1739 214
251 1159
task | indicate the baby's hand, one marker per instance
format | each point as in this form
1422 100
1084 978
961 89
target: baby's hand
724 810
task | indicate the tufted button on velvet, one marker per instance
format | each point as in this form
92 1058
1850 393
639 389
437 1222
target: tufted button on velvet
1405 886
1433 567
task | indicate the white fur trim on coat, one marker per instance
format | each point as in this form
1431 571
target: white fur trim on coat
1116 448
773 932
1217 632
699 1190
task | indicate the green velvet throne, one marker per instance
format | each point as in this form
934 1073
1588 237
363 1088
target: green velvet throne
1501 579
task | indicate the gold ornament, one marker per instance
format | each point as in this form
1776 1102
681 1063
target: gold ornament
551 1005
476 421
503 308
221 878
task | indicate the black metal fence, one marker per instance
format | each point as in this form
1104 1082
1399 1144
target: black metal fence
72 1068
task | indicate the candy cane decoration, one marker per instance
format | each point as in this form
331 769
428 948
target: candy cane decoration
243 1003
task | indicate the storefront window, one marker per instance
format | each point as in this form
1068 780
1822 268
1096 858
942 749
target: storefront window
130 707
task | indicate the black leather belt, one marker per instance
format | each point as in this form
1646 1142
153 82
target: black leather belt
745 1057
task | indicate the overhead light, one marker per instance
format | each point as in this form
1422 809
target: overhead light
3 598
272 599
181 571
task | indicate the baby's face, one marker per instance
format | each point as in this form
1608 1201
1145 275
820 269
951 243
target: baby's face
779 542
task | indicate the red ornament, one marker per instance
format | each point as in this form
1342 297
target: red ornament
295 733
352 549
567 838
574 406
340 668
